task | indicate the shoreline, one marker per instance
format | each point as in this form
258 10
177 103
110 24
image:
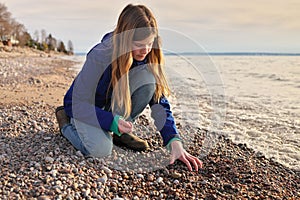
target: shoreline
37 162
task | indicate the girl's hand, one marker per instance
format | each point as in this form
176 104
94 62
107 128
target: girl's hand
178 152
124 126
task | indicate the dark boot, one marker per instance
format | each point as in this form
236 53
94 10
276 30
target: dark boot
130 141
61 117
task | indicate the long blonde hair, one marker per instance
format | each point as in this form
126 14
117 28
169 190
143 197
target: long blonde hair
135 23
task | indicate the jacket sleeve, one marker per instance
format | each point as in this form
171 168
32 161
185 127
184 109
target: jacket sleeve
164 120
79 101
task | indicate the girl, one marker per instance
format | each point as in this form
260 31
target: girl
120 77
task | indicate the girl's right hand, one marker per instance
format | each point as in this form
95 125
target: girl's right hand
124 126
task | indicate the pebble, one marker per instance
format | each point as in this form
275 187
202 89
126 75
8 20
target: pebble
37 165
102 179
141 176
47 138
203 182
79 154
175 175
53 173
150 177
49 159
44 198
159 180
106 170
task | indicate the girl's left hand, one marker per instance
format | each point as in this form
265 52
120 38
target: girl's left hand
178 152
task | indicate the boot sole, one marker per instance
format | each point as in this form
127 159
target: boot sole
121 144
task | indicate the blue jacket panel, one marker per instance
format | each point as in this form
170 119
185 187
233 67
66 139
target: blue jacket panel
90 93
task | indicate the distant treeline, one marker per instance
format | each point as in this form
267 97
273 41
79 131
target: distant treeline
13 33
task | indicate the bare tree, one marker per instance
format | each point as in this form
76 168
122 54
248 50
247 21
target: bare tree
36 36
70 47
61 47
5 18
43 35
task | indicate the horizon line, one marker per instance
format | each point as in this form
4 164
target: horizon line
222 53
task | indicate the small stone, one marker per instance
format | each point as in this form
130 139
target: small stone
106 170
12 176
204 182
141 176
53 173
37 165
135 198
75 186
44 198
125 176
175 175
86 193
228 187
58 190
79 154
211 196
150 178
140 170
48 167
159 180
102 179
58 183
47 138
75 170
49 159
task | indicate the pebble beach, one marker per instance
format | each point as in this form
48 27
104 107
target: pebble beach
37 162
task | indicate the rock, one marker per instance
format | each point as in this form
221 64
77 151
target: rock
53 173
159 180
106 170
118 198
102 179
204 182
47 138
37 165
141 176
44 198
135 198
79 154
86 193
75 186
49 159
175 175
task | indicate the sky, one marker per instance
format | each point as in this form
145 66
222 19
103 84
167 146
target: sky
186 25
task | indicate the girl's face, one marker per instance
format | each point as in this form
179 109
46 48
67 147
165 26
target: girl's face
140 49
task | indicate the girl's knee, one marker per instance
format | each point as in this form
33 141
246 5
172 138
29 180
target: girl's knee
101 150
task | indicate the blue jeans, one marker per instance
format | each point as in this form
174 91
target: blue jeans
94 141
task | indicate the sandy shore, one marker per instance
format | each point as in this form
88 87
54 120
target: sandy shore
38 163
